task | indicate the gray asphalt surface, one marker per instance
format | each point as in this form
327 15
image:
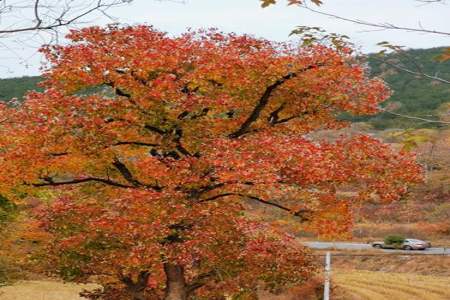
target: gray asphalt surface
361 246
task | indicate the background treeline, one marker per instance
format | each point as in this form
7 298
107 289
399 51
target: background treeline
17 87
413 95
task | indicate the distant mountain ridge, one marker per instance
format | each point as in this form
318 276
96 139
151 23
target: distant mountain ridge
413 95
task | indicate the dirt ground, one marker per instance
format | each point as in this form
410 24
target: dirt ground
43 290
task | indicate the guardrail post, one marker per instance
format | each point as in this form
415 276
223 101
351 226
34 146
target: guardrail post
326 287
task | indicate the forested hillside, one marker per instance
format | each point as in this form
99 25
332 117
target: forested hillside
17 87
413 95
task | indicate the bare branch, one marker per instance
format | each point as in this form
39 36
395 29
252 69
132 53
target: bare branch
36 13
415 73
382 26
415 118
48 21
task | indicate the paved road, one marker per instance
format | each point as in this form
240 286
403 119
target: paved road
360 246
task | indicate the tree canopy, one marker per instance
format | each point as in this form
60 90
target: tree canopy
146 181
411 95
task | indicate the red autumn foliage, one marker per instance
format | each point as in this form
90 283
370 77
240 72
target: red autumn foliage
146 181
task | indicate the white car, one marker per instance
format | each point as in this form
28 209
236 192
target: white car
408 244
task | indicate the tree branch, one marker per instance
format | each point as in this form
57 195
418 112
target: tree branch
415 73
36 13
199 281
51 182
444 123
385 26
57 21
274 116
179 145
128 176
135 287
302 213
217 197
197 192
155 129
264 100
126 173
137 143
285 120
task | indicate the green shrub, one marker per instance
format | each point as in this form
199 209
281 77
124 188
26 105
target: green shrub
7 210
394 239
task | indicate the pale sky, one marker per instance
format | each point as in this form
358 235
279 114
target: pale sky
275 23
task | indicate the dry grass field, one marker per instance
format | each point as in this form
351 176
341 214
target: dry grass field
370 285
43 290
348 285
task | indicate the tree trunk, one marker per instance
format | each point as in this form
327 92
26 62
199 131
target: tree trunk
175 283
138 295
136 289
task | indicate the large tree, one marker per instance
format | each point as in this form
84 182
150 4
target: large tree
150 147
